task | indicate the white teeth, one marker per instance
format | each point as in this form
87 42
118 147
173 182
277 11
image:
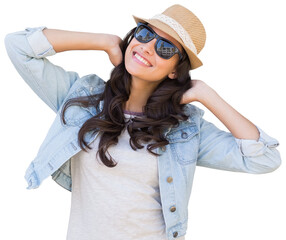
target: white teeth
141 59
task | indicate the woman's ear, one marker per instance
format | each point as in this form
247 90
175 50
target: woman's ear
173 75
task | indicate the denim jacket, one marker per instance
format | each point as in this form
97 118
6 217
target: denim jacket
195 142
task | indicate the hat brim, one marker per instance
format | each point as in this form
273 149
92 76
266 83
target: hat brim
194 60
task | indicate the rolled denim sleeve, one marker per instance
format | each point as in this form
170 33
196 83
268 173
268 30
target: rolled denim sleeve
28 51
220 150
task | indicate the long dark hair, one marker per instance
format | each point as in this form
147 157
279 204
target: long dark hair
163 109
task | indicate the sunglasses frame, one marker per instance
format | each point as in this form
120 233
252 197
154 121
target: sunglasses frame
158 37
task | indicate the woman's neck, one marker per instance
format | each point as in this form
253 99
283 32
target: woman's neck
140 91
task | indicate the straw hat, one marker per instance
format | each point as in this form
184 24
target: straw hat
184 26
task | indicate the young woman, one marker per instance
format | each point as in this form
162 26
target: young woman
128 148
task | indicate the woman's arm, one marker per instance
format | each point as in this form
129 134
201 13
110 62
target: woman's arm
238 125
245 149
29 49
63 40
221 150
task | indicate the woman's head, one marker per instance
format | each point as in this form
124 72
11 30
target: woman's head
141 61
184 26
150 58
147 59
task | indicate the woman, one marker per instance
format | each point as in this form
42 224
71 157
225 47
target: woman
128 148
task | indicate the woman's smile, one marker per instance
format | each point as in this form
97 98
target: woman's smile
141 60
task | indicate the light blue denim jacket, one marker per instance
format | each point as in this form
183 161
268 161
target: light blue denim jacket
194 142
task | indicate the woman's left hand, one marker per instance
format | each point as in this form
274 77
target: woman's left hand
195 92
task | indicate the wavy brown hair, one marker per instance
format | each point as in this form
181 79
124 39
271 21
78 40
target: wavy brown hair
162 110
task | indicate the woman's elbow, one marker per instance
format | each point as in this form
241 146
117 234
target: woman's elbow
265 163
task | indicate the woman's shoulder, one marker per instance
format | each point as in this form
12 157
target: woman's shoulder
195 115
193 111
88 85
188 128
92 81
193 121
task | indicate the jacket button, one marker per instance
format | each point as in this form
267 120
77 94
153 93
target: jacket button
173 209
163 148
175 234
169 179
184 135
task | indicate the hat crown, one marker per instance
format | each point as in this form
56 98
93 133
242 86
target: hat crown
189 21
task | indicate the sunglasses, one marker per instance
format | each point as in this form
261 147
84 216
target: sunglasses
163 47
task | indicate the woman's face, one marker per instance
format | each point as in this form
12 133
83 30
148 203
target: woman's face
142 61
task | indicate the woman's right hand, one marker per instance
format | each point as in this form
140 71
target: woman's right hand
114 52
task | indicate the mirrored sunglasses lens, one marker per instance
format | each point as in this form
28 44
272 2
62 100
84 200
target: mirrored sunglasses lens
165 49
143 34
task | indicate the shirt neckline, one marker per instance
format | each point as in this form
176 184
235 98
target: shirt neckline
133 113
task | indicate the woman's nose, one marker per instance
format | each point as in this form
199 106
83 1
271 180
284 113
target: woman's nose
149 47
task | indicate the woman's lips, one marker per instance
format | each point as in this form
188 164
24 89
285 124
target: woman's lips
141 60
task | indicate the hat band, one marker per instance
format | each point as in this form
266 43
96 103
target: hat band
178 28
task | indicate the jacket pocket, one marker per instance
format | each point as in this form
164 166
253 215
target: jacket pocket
184 144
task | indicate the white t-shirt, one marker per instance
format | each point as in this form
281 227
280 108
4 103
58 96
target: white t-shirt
116 203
